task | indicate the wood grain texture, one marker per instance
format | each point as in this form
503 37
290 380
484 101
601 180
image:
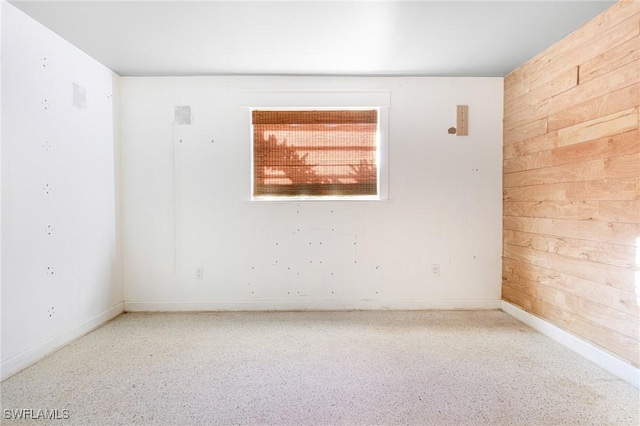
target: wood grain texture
621 278
525 115
529 146
462 120
600 127
571 182
612 319
610 60
600 169
610 254
610 189
618 100
624 76
533 129
608 147
613 232
623 346
596 211
537 95
612 297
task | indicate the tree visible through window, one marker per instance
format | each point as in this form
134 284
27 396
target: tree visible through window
315 153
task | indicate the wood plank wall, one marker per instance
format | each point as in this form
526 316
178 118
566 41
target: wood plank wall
571 183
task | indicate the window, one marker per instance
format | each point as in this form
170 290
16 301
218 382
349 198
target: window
316 153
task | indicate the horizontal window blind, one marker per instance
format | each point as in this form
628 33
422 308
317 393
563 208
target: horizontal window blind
315 153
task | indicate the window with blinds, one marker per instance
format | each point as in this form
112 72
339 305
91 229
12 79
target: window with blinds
323 153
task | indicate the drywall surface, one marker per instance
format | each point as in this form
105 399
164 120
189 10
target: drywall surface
60 269
571 170
186 200
1 9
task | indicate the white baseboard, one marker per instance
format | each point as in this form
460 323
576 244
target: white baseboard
309 305
603 359
18 362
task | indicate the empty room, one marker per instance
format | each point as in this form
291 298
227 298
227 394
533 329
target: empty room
320 212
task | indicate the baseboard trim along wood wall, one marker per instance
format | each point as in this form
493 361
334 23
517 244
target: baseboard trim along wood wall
603 359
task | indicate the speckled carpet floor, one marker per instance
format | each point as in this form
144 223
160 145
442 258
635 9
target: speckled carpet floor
320 368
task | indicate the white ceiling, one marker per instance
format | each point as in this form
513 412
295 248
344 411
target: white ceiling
432 38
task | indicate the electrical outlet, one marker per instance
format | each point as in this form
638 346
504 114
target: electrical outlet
435 270
199 272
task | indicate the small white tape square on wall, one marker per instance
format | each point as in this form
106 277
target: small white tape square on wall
79 96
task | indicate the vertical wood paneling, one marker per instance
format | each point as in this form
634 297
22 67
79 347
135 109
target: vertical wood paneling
571 177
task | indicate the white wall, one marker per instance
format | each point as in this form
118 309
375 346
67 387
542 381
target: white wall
2 2
187 204
58 193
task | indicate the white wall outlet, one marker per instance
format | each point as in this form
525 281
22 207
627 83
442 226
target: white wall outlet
199 272
435 270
